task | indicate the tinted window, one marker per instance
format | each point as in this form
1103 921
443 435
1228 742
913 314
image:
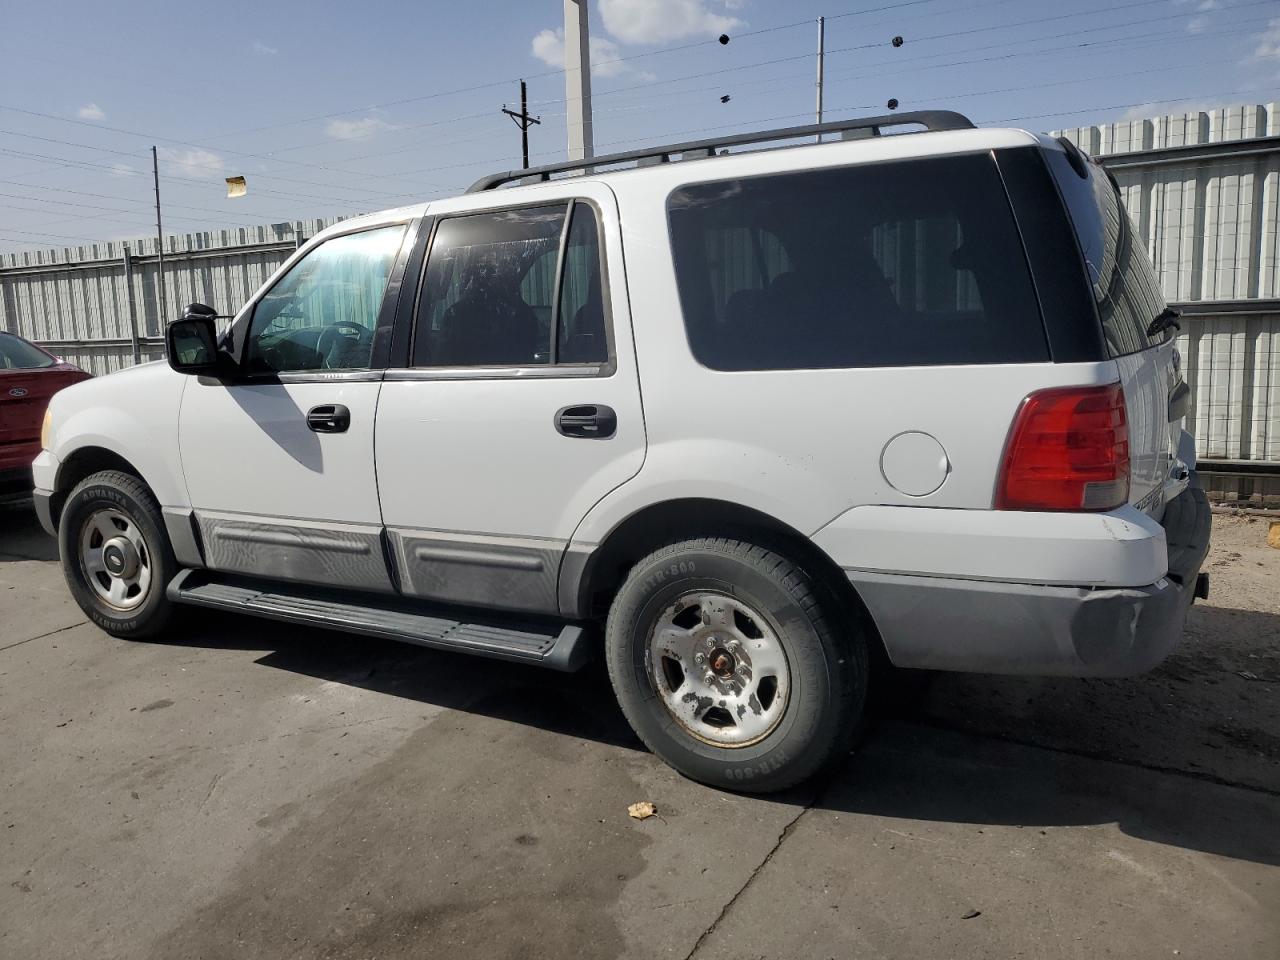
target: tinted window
879 265
322 314
17 354
488 293
581 337
1124 283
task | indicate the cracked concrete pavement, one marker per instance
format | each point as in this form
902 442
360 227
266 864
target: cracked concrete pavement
247 789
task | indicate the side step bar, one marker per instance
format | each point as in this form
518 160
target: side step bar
544 644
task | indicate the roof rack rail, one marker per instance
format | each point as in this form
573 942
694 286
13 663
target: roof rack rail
931 120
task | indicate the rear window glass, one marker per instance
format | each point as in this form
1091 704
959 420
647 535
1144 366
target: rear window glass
912 263
1125 285
17 354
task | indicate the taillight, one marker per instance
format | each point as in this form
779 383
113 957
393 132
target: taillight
1068 450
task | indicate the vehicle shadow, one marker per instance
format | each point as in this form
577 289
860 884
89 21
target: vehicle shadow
577 705
909 766
21 536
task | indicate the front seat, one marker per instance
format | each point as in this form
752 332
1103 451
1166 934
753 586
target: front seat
488 325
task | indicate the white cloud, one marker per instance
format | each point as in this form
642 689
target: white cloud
1268 43
662 21
195 162
361 129
262 49
548 46
122 170
91 111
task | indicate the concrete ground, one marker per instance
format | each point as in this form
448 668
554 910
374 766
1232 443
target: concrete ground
248 790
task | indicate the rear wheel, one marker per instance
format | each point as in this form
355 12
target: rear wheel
116 555
733 664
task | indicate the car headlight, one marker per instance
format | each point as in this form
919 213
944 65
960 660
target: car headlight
46 430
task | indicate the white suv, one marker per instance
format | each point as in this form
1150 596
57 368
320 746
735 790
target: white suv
760 415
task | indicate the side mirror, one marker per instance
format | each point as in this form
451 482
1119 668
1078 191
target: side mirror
192 344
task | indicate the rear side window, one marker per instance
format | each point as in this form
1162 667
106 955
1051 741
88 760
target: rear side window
903 264
513 288
1125 285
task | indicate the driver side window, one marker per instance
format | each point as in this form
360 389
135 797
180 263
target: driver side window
322 314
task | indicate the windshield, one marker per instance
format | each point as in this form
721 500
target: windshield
17 354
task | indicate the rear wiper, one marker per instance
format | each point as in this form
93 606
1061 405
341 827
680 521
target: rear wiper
1168 318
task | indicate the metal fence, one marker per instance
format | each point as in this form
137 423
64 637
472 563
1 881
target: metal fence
98 305
1202 189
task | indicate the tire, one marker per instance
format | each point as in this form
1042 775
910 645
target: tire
745 599
111 533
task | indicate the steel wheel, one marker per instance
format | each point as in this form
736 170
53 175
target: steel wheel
115 559
719 669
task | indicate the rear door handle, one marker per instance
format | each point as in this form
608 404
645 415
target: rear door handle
329 418
590 421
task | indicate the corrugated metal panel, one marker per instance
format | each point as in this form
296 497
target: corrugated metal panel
1233 366
79 295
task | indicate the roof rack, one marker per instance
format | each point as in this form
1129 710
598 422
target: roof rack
931 120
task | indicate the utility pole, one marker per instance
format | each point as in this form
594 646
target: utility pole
164 310
523 121
822 36
577 79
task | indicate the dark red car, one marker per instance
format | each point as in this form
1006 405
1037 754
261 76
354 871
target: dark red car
28 378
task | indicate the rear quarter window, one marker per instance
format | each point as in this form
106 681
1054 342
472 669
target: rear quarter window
1124 284
897 264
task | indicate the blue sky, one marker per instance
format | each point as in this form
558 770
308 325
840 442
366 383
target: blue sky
332 108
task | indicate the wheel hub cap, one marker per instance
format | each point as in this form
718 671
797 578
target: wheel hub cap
120 558
719 669
115 559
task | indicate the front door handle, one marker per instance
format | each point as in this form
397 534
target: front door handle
329 418
591 421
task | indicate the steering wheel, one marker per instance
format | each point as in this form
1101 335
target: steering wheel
342 328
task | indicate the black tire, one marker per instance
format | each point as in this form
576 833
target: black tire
127 495
826 653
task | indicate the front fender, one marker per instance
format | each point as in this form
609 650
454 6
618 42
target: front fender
132 414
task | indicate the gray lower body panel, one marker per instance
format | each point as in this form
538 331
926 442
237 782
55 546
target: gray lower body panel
339 555
43 502
508 573
979 626
180 524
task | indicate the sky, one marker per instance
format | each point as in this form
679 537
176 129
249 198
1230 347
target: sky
332 108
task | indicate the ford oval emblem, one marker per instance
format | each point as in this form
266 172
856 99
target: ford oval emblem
18 392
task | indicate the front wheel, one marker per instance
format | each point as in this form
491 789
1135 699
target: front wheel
734 665
116 555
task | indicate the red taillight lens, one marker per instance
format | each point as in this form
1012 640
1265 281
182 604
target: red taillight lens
1068 450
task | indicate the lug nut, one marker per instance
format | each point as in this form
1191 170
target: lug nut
709 680
698 658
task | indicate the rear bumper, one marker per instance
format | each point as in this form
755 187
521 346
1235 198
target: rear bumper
981 626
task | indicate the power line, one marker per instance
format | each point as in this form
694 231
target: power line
931 38
210 166
70 162
551 73
102 196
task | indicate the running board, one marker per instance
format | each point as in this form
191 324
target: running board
546 644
